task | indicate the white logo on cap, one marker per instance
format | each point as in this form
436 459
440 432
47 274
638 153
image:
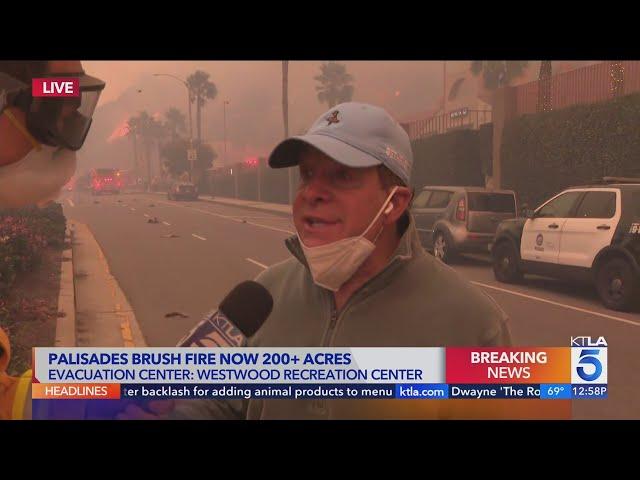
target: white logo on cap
333 118
393 155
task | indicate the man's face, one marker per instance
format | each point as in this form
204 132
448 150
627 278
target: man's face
334 201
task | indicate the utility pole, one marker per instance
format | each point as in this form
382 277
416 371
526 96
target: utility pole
285 115
224 136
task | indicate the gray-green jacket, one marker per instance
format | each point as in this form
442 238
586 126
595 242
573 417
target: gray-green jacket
416 301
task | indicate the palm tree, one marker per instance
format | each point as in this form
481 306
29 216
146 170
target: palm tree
150 131
285 118
285 97
544 86
335 84
616 74
201 89
132 132
498 73
175 122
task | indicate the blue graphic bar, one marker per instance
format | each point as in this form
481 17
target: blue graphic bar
585 391
299 391
424 391
555 391
494 391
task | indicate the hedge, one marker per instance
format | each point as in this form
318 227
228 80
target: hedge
544 153
24 233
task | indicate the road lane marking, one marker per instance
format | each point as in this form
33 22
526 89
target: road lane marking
146 215
558 304
271 228
232 218
167 224
289 232
71 204
198 236
271 217
125 328
132 209
261 265
583 310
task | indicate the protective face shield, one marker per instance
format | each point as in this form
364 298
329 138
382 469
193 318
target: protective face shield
55 121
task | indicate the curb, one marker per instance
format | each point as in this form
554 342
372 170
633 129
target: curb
66 322
104 316
129 328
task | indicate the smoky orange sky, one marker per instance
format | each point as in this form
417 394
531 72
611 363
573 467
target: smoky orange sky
254 123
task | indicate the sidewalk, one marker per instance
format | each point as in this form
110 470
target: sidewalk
103 316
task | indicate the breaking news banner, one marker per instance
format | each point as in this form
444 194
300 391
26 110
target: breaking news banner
104 380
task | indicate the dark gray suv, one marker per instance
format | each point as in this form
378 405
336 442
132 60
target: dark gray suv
453 220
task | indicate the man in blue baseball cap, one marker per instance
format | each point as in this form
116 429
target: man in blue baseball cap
359 276
355 166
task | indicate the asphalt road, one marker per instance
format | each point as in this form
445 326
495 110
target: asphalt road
199 250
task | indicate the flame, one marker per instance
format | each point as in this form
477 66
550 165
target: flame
120 131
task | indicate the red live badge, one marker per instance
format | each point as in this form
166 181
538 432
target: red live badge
55 87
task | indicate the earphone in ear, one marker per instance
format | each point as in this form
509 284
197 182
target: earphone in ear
387 210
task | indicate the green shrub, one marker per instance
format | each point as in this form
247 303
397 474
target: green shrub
544 153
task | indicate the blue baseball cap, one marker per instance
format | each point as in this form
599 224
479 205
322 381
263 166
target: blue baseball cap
353 134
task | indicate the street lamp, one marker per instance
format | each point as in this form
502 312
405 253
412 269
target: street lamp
189 105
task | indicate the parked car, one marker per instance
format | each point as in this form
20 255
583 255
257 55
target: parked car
182 190
589 233
454 220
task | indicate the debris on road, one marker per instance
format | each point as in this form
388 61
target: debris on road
176 314
153 220
171 235
151 205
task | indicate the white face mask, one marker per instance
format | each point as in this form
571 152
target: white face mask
37 178
332 264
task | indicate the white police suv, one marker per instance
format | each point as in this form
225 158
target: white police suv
590 232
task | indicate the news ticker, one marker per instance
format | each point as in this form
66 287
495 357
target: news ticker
575 372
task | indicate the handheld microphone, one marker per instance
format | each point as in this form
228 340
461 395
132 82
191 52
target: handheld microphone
240 314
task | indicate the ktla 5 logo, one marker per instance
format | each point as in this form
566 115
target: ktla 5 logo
588 360
55 87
